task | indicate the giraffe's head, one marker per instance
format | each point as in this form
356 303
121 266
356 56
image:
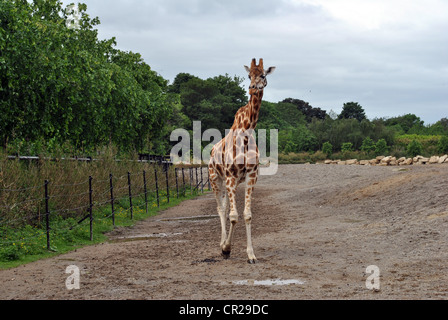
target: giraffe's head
257 75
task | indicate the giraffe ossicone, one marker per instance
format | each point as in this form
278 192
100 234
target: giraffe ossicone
235 159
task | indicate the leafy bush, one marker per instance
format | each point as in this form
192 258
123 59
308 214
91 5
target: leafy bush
318 156
368 145
347 147
327 148
9 253
414 148
442 145
290 147
425 140
381 147
300 157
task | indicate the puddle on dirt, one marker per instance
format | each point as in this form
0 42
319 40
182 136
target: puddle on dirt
194 218
144 237
270 282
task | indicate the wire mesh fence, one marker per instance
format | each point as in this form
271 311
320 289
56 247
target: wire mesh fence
122 194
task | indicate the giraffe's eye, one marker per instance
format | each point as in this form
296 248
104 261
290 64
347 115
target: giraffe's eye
263 76
249 77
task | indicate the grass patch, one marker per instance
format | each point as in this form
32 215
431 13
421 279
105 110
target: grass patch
29 243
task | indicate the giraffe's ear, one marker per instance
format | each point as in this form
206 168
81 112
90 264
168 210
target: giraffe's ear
270 70
247 69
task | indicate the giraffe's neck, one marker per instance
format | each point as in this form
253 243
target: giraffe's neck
247 117
254 106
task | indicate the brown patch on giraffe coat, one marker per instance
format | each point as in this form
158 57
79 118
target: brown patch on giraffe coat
246 124
220 171
232 170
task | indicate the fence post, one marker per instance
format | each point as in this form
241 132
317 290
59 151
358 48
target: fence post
191 178
144 189
112 199
208 179
47 214
202 183
130 195
91 208
167 186
197 179
183 182
157 186
177 184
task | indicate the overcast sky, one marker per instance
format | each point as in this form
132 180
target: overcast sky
390 56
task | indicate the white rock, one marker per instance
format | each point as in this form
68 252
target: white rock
443 158
434 159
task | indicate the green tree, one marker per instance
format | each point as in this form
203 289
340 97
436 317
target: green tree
381 147
352 110
306 109
414 148
60 84
213 101
405 123
439 128
180 79
270 117
304 139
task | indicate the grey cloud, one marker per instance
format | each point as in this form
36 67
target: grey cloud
394 70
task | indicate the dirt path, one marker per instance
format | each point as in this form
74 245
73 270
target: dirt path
320 225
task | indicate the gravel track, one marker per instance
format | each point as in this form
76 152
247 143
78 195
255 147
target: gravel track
320 225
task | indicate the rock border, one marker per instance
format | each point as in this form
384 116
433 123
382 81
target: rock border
392 161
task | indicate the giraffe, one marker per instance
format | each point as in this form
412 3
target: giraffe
234 160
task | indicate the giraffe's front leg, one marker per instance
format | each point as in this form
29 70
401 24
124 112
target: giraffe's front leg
222 211
250 182
250 250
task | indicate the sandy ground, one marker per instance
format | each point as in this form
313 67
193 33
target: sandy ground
320 225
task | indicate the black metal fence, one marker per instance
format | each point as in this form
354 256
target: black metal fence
151 188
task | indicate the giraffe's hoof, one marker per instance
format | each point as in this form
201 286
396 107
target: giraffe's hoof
225 254
252 261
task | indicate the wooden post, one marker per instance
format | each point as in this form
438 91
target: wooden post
130 195
144 188
167 186
47 214
112 198
157 186
90 208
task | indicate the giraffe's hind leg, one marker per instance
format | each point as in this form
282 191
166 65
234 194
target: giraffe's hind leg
222 202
